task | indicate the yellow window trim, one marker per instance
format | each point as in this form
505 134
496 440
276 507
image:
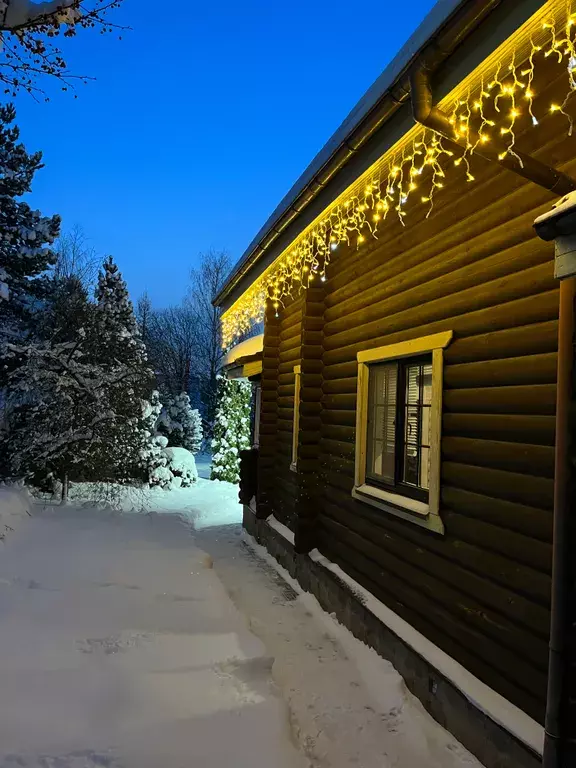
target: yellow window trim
427 514
296 417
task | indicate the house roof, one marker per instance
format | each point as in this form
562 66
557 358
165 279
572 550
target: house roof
437 20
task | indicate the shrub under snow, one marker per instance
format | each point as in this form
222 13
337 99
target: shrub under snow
182 465
175 467
231 428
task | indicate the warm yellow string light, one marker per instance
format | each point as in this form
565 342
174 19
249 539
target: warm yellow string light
493 104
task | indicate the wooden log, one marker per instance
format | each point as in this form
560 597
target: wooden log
310 394
312 352
462 220
434 583
289 332
522 579
310 409
310 423
337 448
312 323
528 309
312 338
341 370
534 430
500 484
529 399
345 418
533 339
339 432
314 366
513 545
268 417
314 308
339 402
508 663
406 312
531 369
291 309
416 286
340 480
536 460
290 344
522 610
333 464
285 379
532 522
308 451
287 367
285 402
290 358
340 386
414 268
306 437
471 661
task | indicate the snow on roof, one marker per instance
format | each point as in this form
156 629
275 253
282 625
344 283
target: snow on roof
248 348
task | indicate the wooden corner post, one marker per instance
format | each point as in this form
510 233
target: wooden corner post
268 415
309 421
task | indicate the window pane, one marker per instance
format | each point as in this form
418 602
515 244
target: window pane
417 424
381 436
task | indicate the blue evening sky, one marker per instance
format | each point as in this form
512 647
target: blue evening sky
200 120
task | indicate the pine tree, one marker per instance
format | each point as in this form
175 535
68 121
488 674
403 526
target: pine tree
119 351
181 423
24 234
58 410
153 457
231 428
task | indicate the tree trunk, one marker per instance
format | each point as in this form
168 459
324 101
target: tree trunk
64 499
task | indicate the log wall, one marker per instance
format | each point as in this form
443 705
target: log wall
282 343
481 592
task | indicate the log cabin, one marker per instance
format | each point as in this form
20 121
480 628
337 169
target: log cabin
413 463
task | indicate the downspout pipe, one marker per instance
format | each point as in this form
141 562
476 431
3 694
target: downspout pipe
558 750
520 163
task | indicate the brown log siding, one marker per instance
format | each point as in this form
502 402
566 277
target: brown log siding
481 592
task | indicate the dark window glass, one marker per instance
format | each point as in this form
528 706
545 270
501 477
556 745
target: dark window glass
398 435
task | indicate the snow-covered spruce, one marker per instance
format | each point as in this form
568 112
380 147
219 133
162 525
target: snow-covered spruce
231 428
181 423
25 235
118 347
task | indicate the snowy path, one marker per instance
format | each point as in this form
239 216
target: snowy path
133 641
120 648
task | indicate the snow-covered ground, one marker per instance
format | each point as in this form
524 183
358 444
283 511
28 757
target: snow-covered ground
203 464
121 648
149 639
15 507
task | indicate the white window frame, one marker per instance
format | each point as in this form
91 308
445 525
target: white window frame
425 514
296 417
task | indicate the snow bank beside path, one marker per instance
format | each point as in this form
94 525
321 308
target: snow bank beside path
206 504
15 506
349 706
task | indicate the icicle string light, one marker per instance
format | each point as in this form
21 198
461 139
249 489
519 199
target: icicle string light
496 104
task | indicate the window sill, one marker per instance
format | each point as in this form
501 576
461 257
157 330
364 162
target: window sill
415 511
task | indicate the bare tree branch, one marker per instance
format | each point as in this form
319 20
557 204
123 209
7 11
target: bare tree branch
26 33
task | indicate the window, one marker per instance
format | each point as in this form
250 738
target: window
399 410
296 417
